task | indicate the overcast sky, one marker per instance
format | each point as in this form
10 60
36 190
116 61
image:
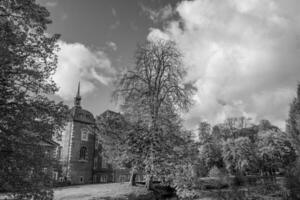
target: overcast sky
243 55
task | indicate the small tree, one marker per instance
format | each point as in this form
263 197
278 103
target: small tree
152 87
204 134
239 155
274 151
27 116
122 141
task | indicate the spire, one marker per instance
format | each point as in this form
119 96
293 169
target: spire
77 99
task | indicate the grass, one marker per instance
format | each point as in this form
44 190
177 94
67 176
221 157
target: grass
110 191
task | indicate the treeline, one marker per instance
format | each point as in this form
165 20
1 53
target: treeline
240 148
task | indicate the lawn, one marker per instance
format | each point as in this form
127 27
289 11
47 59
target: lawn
108 191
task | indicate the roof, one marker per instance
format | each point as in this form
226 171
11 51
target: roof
50 143
82 115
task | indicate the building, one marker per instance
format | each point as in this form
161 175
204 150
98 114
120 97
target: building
81 156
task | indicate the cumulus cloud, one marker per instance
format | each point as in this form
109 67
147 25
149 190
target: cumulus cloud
159 14
243 56
76 62
156 34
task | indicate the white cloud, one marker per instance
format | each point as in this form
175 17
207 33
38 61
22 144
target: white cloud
158 15
77 62
112 45
243 55
156 34
51 3
114 12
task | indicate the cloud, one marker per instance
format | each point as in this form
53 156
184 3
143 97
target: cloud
76 62
64 16
243 56
158 15
115 25
51 4
156 34
112 45
114 12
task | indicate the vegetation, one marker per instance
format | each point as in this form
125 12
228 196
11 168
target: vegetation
151 95
27 116
148 137
293 129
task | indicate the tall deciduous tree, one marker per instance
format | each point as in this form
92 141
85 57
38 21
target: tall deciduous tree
239 155
293 122
155 89
204 134
274 151
27 116
293 130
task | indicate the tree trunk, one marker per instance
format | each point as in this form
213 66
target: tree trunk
149 182
132 177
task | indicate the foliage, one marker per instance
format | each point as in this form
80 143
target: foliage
152 93
293 130
293 122
27 116
274 150
215 172
211 155
204 129
238 155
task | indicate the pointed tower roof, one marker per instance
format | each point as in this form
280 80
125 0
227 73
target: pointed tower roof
77 99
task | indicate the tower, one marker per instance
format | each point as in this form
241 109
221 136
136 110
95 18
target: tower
77 98
78 144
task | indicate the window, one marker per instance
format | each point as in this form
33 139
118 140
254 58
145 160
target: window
83 153
103 163
122 178
95 162
84 134
55 176
81 179
103 178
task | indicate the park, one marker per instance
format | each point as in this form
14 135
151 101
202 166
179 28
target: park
139 103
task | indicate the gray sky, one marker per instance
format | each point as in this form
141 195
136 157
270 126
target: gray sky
243 55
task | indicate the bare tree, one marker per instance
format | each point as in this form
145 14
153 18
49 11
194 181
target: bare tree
155 85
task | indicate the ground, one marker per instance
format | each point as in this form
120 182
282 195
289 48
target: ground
101 192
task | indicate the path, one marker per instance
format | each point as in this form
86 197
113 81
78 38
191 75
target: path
97 191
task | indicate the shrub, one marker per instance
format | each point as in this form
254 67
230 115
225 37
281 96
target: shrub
215 172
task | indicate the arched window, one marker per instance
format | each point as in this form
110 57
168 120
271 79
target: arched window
83 153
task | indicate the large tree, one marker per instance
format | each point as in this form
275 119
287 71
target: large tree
239 155
293 130
155 90
27 116
274 151
293 122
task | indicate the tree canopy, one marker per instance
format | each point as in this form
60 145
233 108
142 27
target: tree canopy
28 60
152 93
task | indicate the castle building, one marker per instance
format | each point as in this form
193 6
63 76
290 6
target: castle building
80 148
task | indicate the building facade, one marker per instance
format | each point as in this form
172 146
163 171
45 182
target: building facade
80 149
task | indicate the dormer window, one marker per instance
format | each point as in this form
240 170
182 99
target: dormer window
84 134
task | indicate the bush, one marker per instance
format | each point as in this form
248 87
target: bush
292 182
238 180
215 172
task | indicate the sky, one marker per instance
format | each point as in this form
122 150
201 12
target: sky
242 55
